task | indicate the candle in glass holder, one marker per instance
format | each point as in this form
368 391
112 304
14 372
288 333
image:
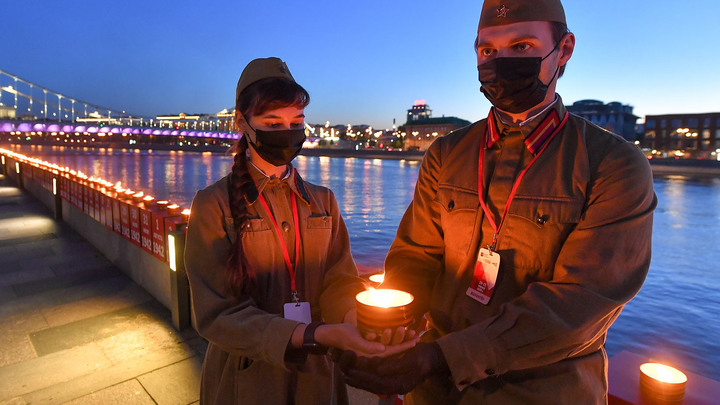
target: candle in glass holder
380 309
137 197
185 214
172 209
148 200
162 205
662 382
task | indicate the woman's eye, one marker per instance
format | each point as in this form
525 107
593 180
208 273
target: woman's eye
486 52
522 47
297 125
275 125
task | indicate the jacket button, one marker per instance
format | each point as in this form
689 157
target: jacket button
451 205
286 226
489 371
541 219
248 226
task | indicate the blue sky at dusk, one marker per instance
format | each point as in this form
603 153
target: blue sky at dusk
362 62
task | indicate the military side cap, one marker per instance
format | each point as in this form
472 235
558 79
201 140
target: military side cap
259 69
502 12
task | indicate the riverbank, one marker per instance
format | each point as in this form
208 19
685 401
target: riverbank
660 166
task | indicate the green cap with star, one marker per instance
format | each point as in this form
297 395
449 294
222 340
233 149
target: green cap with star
262 68
503 12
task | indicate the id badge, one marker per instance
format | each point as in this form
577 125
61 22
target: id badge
298 311
484 277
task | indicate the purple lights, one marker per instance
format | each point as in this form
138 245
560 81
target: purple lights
24 127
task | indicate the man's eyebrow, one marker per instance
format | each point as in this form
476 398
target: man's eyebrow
526 37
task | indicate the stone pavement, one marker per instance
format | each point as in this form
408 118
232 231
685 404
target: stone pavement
76 330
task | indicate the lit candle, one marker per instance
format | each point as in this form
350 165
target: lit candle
172 209
662 382
380 309
185 214
377 278
147 200
137 197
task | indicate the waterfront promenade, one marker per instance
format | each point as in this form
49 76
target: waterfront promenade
76 330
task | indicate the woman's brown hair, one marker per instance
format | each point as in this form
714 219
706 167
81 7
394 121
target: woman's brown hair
258 98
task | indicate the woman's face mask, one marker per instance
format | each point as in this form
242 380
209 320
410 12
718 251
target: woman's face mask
278 147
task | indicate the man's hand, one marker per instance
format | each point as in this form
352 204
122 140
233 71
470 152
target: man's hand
396 375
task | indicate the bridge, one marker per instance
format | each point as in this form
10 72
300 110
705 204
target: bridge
32 113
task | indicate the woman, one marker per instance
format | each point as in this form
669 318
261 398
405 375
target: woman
268 257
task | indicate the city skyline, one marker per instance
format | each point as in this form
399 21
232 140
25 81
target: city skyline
362 63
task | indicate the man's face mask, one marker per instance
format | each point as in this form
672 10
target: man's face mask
513 84
278 147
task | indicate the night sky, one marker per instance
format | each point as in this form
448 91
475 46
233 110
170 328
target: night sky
362 62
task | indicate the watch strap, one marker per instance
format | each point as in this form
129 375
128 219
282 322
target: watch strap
309 344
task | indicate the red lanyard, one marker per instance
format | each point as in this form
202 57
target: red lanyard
291 268
497 227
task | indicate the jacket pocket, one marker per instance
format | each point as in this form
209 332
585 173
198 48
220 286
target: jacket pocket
458 213
536 229
319 222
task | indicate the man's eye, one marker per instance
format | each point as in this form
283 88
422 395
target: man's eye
275 125
297 125
486 52
522 47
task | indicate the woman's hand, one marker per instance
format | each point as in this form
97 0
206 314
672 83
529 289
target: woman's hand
388 336
347 337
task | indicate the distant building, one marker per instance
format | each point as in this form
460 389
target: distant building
421 128
419 111
614 116
221 121
7 112
694 133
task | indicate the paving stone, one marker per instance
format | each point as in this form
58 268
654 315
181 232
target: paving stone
178 383
20 240
26 276
48 258
14 340
6 295
13 401
100 379
62 337
68 266
128 392
76 278
42 372
105 300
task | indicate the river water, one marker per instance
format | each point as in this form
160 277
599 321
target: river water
675 317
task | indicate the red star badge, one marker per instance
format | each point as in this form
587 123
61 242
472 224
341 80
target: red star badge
502 11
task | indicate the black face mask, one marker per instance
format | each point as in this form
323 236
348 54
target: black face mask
513 84
278 147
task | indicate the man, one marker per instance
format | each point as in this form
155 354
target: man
527 234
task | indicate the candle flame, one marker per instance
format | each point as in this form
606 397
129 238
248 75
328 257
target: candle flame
663 373
377 278
384 298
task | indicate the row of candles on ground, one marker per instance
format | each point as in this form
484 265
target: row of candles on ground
379 309
103 185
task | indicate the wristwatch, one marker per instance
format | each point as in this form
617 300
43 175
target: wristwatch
309 344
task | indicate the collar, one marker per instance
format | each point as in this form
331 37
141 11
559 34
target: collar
535 129
292 178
